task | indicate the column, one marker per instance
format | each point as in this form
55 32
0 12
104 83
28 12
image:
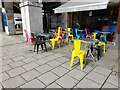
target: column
64 21
10 28
1 29
64 17
118 21
31 13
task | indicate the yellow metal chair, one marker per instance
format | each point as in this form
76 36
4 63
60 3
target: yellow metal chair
77 52
56 39
69 30
101 43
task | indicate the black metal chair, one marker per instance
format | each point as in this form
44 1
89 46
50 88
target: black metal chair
40 40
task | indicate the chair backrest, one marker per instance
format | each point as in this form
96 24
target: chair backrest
69 31
76 31
94 35
105 28
26 33
113 28
87 31
40 39
77 45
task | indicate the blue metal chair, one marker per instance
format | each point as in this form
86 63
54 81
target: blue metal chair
113 28
77 36
97 31
78 33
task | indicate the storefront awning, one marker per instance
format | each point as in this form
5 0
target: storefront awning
81 5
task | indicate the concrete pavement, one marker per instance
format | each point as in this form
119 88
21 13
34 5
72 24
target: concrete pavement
23 68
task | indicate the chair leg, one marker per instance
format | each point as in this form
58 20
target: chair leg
53 44
45 47
37 48
28 41
81 62
72 60
84 59
42 46
104 48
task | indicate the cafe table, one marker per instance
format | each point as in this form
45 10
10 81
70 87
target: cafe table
90 42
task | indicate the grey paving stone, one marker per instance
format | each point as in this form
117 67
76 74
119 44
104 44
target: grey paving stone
98 78
48 78
113 80
18 58
44 68
63 59
30 59
102 71
77 74
108 85
47 53
33 84
30 66
66 65
5 68
60 71
5 62
54 85
4 76
67 82
41 61
86 69
13 82
58 54
16 64
16 71
86 83
30 75
38 56
54 63
52 57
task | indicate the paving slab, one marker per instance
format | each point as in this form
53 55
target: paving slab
29 59
66 65
67 82
16 71
62 59
54 85
5 62
18 58
98 78
5 68
32 84
30 75
86 83
54 63
16 64
113 80
102 70
109 85
13 82
48 78
42 61
60 71
4 76
44 68
77 74
30 66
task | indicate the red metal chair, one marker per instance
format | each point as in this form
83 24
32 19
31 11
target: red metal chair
29 38
88 33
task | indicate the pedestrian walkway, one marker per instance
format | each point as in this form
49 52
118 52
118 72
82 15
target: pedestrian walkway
23 68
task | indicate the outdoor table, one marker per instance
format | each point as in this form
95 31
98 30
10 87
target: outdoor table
90 42
104 34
